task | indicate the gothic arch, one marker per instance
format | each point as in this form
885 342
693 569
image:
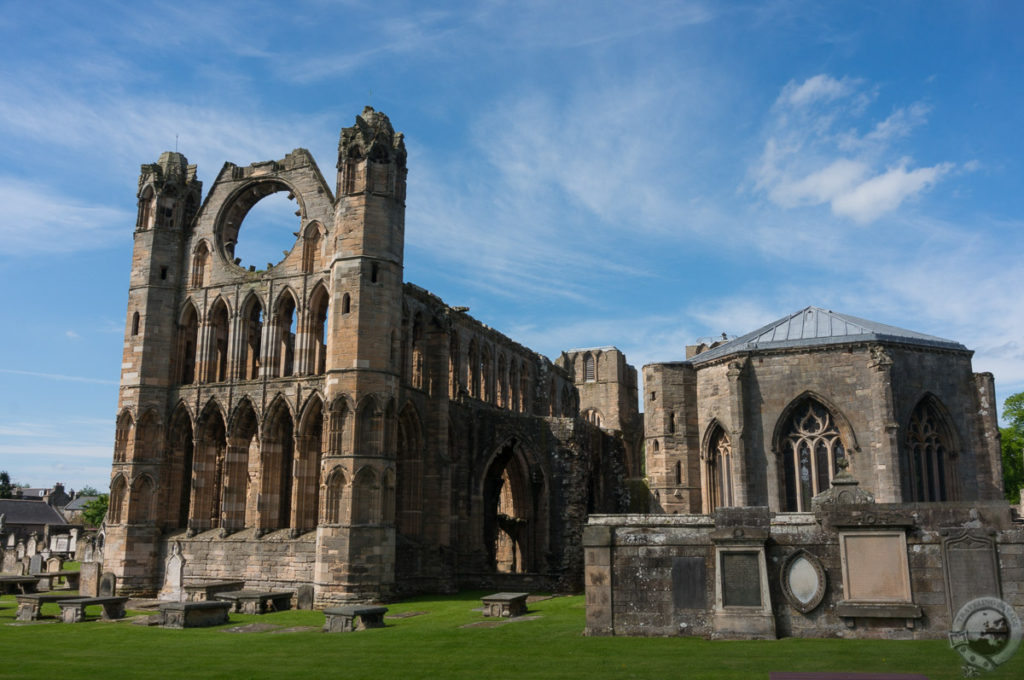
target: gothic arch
147 200
148 437
409 474
313 241
140 500
180 447
243 445
514 492
251 345
316 331
308 451
118 491
218 320
809 438
124 437
336 496
369 428
277 454
285 325
717 484
930 449
207 468
365 496
199 275
240 201
339 426
187 344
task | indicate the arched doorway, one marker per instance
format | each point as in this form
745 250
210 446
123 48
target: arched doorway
515 522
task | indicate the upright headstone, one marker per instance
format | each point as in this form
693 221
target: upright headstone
108 584
12 541
89 579
87 554
54 564
10 559
689 583
304 597
30 545
73 541
35 564
174 570
21 549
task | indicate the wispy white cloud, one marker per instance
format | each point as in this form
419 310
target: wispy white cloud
59 376
884 193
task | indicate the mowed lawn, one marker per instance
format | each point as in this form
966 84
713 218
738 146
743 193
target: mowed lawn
436 644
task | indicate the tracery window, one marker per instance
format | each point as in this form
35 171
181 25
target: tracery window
810 448
718 471
589 368
932 474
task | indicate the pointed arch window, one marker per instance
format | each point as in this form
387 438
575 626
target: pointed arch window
589 368
336 497
135 324
810 446
717 459
311 249
932 461
188 336
200 266
217 352
252 340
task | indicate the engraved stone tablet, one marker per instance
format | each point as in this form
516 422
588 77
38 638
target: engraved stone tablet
741 579
108 583
89 579
970 567
875 566
35 564
304 597
689 583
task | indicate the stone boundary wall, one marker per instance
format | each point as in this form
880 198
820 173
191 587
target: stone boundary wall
634 586
272 562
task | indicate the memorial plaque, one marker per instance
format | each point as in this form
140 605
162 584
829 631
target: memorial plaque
971 568
741 579
803 581
89 579
108 584
54 564
62 544
875 566
689 583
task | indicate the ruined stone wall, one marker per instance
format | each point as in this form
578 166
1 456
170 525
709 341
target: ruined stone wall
634 586
270 563
671 437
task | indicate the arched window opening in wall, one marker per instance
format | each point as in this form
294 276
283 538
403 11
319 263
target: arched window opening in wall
200 266
259 225
524 389
277 458
346 303
474 369
123 437
217 354
242 447
353 176
337 497
810 447
312 248
140 504
318 330
284 327
453 365
513 383
930 455
306 490
417 372
717 458
135 324
148 440
208 470
338 426
369 429
656 446
671 423
365 497
252 339
568 403
486 374
115 510
593 416
678 476
589 368
410 475
387 499
180 450
374 272
514 512
146 209
502 389
188 337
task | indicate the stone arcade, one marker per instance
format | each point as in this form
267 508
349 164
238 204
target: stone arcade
322 423
821 476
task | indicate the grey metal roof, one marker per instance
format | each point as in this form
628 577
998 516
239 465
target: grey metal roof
80 502
814 326
29 512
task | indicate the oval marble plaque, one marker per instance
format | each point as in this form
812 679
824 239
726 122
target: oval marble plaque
803 581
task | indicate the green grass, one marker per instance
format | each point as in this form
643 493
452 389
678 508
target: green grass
435 645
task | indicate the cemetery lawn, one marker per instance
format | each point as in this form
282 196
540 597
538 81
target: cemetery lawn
436 644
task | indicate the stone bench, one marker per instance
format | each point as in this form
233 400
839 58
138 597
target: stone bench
342 619
200 592
258 602
73 611
30 604
45 579
505 604
18 584
194 614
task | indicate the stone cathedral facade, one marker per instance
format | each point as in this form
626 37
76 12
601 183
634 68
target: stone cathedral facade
323 422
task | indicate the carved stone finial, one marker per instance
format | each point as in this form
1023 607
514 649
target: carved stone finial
844 489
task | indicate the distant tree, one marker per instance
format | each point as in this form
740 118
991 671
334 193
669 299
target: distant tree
88 490
1013 446
6 488
94 511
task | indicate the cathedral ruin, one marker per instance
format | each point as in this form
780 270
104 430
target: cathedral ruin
323 422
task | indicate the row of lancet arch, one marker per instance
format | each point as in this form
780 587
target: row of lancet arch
810 440
313 256
275 472
246 343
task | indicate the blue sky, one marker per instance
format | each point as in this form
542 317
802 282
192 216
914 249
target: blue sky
638 174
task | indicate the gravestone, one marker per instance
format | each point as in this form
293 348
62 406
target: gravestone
10 559
174 570
87 553
970 567
21 549
89 579
741 582
803 581
54 564
875 566
30 545
59 543
11 541
108 584
689 583
35 564
304 597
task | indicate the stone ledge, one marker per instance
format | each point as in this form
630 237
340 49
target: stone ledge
879 610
